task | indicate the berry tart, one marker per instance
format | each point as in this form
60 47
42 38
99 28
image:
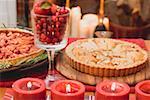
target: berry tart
106 57
17 47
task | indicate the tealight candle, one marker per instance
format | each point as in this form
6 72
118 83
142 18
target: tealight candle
142 90
112 90
67 90
29 89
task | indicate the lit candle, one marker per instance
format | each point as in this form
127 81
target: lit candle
112 90
142 90
29 89
67 90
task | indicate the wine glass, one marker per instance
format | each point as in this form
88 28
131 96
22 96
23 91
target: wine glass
50 34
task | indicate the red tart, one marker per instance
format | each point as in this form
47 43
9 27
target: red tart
16 46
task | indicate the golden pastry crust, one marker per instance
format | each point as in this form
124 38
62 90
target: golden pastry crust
17 45
106 57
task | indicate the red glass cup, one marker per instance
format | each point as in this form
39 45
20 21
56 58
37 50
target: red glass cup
142 90
22 92
58 90
104 91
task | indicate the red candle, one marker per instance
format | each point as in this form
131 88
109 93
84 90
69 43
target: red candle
67 90
142 90
112 90
29 89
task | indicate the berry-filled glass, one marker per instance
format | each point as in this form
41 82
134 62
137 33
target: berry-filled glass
50 25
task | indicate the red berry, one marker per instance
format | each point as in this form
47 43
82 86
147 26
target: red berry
53 33
38 10
43 20
48 33
52 25
54 40
44 25
41 40
48 40
51 36
54 18
49 19
66 11
53 9
61 19
38 27
43 37
65 18
59 40
39 22
50 29
61 37
58 24
57 29
57 34
62 11
44 31
57 13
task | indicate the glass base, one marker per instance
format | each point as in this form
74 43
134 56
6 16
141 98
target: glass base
49 47
52 78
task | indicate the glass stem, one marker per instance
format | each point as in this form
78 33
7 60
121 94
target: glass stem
51 55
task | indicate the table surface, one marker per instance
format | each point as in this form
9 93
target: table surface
2 89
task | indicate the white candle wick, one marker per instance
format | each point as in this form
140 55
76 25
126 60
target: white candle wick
113 86
29 85
68 88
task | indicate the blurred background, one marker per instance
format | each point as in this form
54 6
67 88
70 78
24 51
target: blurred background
128 18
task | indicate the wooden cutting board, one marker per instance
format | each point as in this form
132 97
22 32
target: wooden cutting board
65 69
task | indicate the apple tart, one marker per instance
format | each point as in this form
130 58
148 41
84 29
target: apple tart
105 57
16 46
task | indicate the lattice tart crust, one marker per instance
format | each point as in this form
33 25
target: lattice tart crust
105 57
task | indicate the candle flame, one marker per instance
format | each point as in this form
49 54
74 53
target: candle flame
68 88
113 86
101 21
29 85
